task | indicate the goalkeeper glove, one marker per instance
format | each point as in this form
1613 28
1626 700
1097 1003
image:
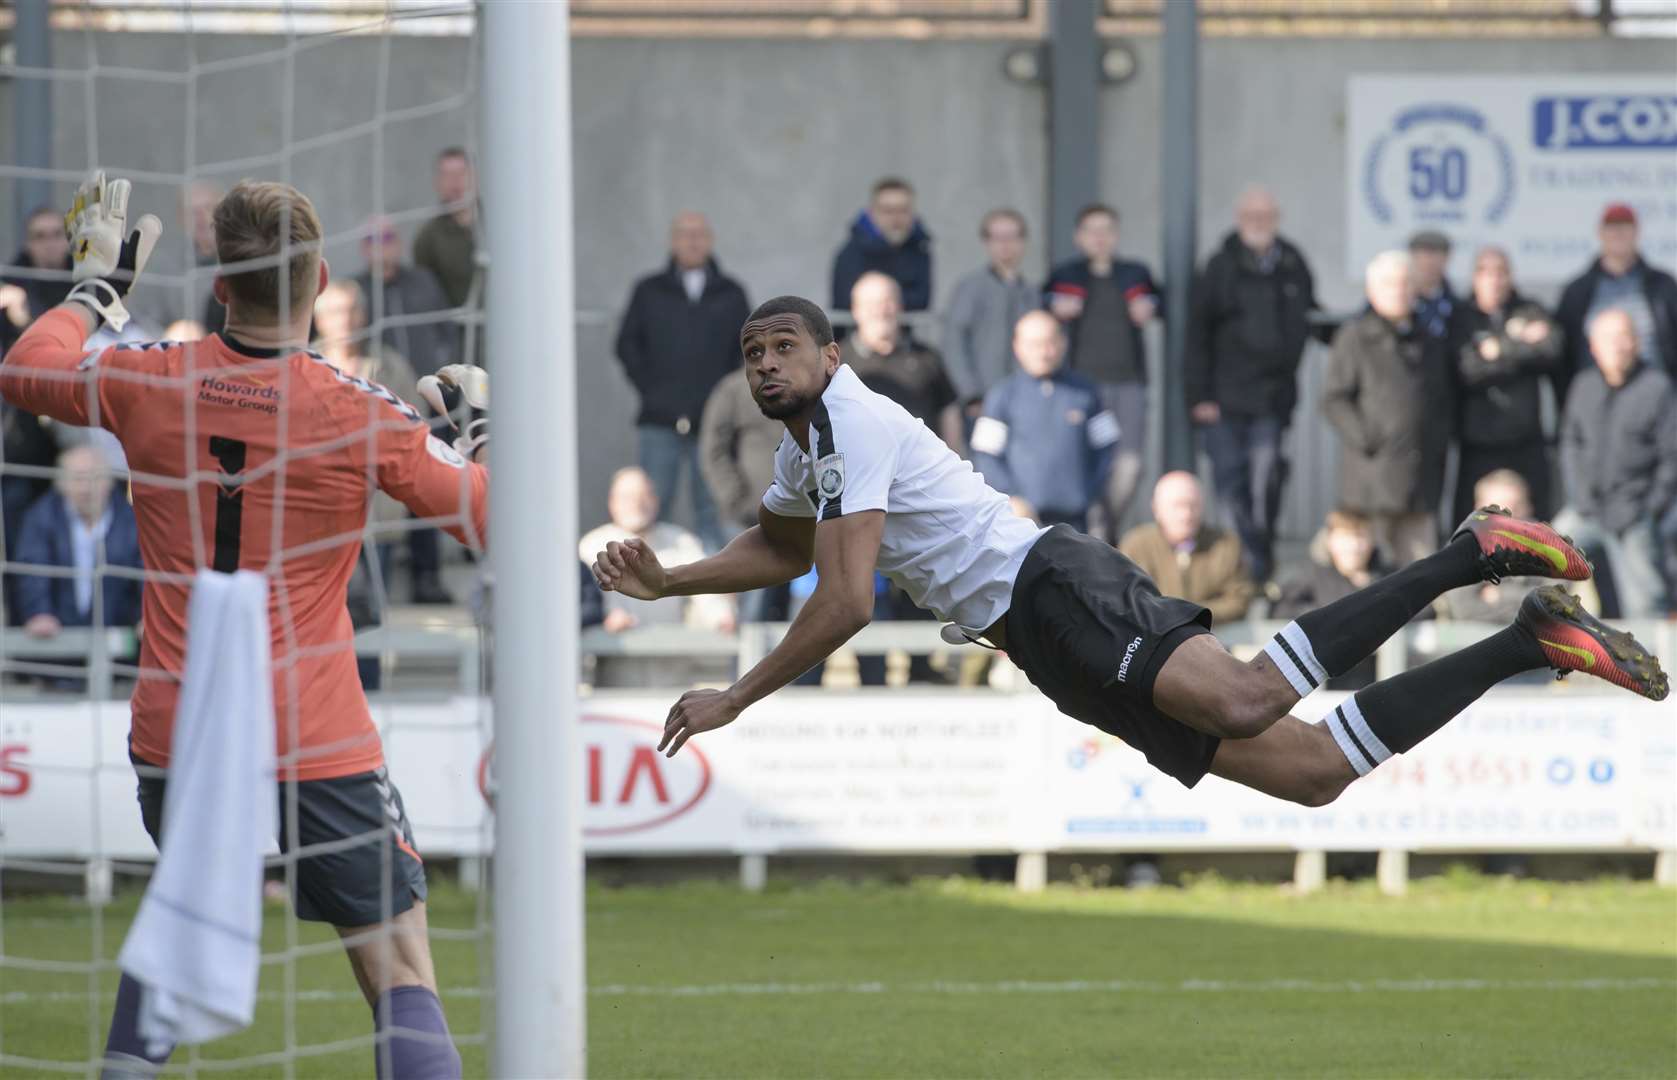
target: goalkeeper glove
461 393
107 258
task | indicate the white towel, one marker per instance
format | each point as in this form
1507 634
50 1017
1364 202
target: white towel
196 945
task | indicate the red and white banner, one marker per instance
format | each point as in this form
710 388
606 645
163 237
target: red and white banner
881 772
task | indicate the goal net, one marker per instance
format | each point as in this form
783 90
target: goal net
371 109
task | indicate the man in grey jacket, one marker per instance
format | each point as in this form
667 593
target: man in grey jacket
405 302
737 444
736 452
1619 461
1390 397
987 304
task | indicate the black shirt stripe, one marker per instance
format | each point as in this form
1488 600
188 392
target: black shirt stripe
824 445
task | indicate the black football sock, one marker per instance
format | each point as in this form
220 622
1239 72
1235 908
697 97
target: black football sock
1395 714
126 1054
1334 639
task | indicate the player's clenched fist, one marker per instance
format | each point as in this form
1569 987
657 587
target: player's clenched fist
629 567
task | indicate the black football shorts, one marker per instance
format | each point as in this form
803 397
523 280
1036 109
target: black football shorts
1091 631
370 870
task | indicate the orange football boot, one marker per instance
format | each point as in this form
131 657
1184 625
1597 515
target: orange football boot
1574 640
1514 547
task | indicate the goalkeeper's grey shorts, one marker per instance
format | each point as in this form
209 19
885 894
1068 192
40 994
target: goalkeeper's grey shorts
376 876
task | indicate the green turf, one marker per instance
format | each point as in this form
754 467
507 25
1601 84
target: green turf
1464 977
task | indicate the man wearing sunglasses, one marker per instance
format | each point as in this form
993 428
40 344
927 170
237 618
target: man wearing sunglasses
38 276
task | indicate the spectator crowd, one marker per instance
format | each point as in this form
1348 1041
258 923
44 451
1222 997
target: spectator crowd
1441 400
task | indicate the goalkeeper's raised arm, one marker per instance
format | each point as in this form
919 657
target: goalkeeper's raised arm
133 391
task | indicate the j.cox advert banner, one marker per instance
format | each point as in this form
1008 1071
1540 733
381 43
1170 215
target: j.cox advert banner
1525 164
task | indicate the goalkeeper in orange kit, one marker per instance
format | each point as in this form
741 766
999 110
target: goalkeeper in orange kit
249 452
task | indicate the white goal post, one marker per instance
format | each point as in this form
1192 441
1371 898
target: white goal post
526 123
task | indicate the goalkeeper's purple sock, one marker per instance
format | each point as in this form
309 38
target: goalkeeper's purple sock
125 1051
418 1046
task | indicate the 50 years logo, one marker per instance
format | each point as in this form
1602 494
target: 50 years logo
1439 164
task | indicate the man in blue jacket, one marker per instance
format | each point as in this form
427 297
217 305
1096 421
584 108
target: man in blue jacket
1104 302
1043 435
889 239
83 524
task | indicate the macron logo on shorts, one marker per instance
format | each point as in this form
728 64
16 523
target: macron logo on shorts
1129 655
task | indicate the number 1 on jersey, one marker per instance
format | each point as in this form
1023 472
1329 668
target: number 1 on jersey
229 502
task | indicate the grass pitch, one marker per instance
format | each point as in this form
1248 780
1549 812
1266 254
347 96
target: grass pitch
1464 977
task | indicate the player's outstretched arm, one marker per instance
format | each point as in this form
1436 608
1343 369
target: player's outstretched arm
846 553
772 552
39 374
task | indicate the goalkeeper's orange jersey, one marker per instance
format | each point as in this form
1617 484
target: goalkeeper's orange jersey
249 459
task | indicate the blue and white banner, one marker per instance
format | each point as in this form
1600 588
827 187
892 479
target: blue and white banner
1518 770
1526 164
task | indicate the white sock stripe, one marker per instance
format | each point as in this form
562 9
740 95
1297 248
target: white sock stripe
1284 664
1298 661
1365 734
1346 746
1295 636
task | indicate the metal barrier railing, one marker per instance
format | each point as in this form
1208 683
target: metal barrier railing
103 650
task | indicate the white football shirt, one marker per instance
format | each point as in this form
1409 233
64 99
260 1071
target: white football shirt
951 541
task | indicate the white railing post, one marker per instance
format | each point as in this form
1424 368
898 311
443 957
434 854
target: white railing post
1391 871
1310 871
1031 873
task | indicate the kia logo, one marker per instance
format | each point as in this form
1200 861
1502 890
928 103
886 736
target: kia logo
627 785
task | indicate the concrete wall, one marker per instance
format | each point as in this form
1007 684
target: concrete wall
778 143
776 140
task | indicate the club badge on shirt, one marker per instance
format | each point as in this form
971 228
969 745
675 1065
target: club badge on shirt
443 452
829 476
